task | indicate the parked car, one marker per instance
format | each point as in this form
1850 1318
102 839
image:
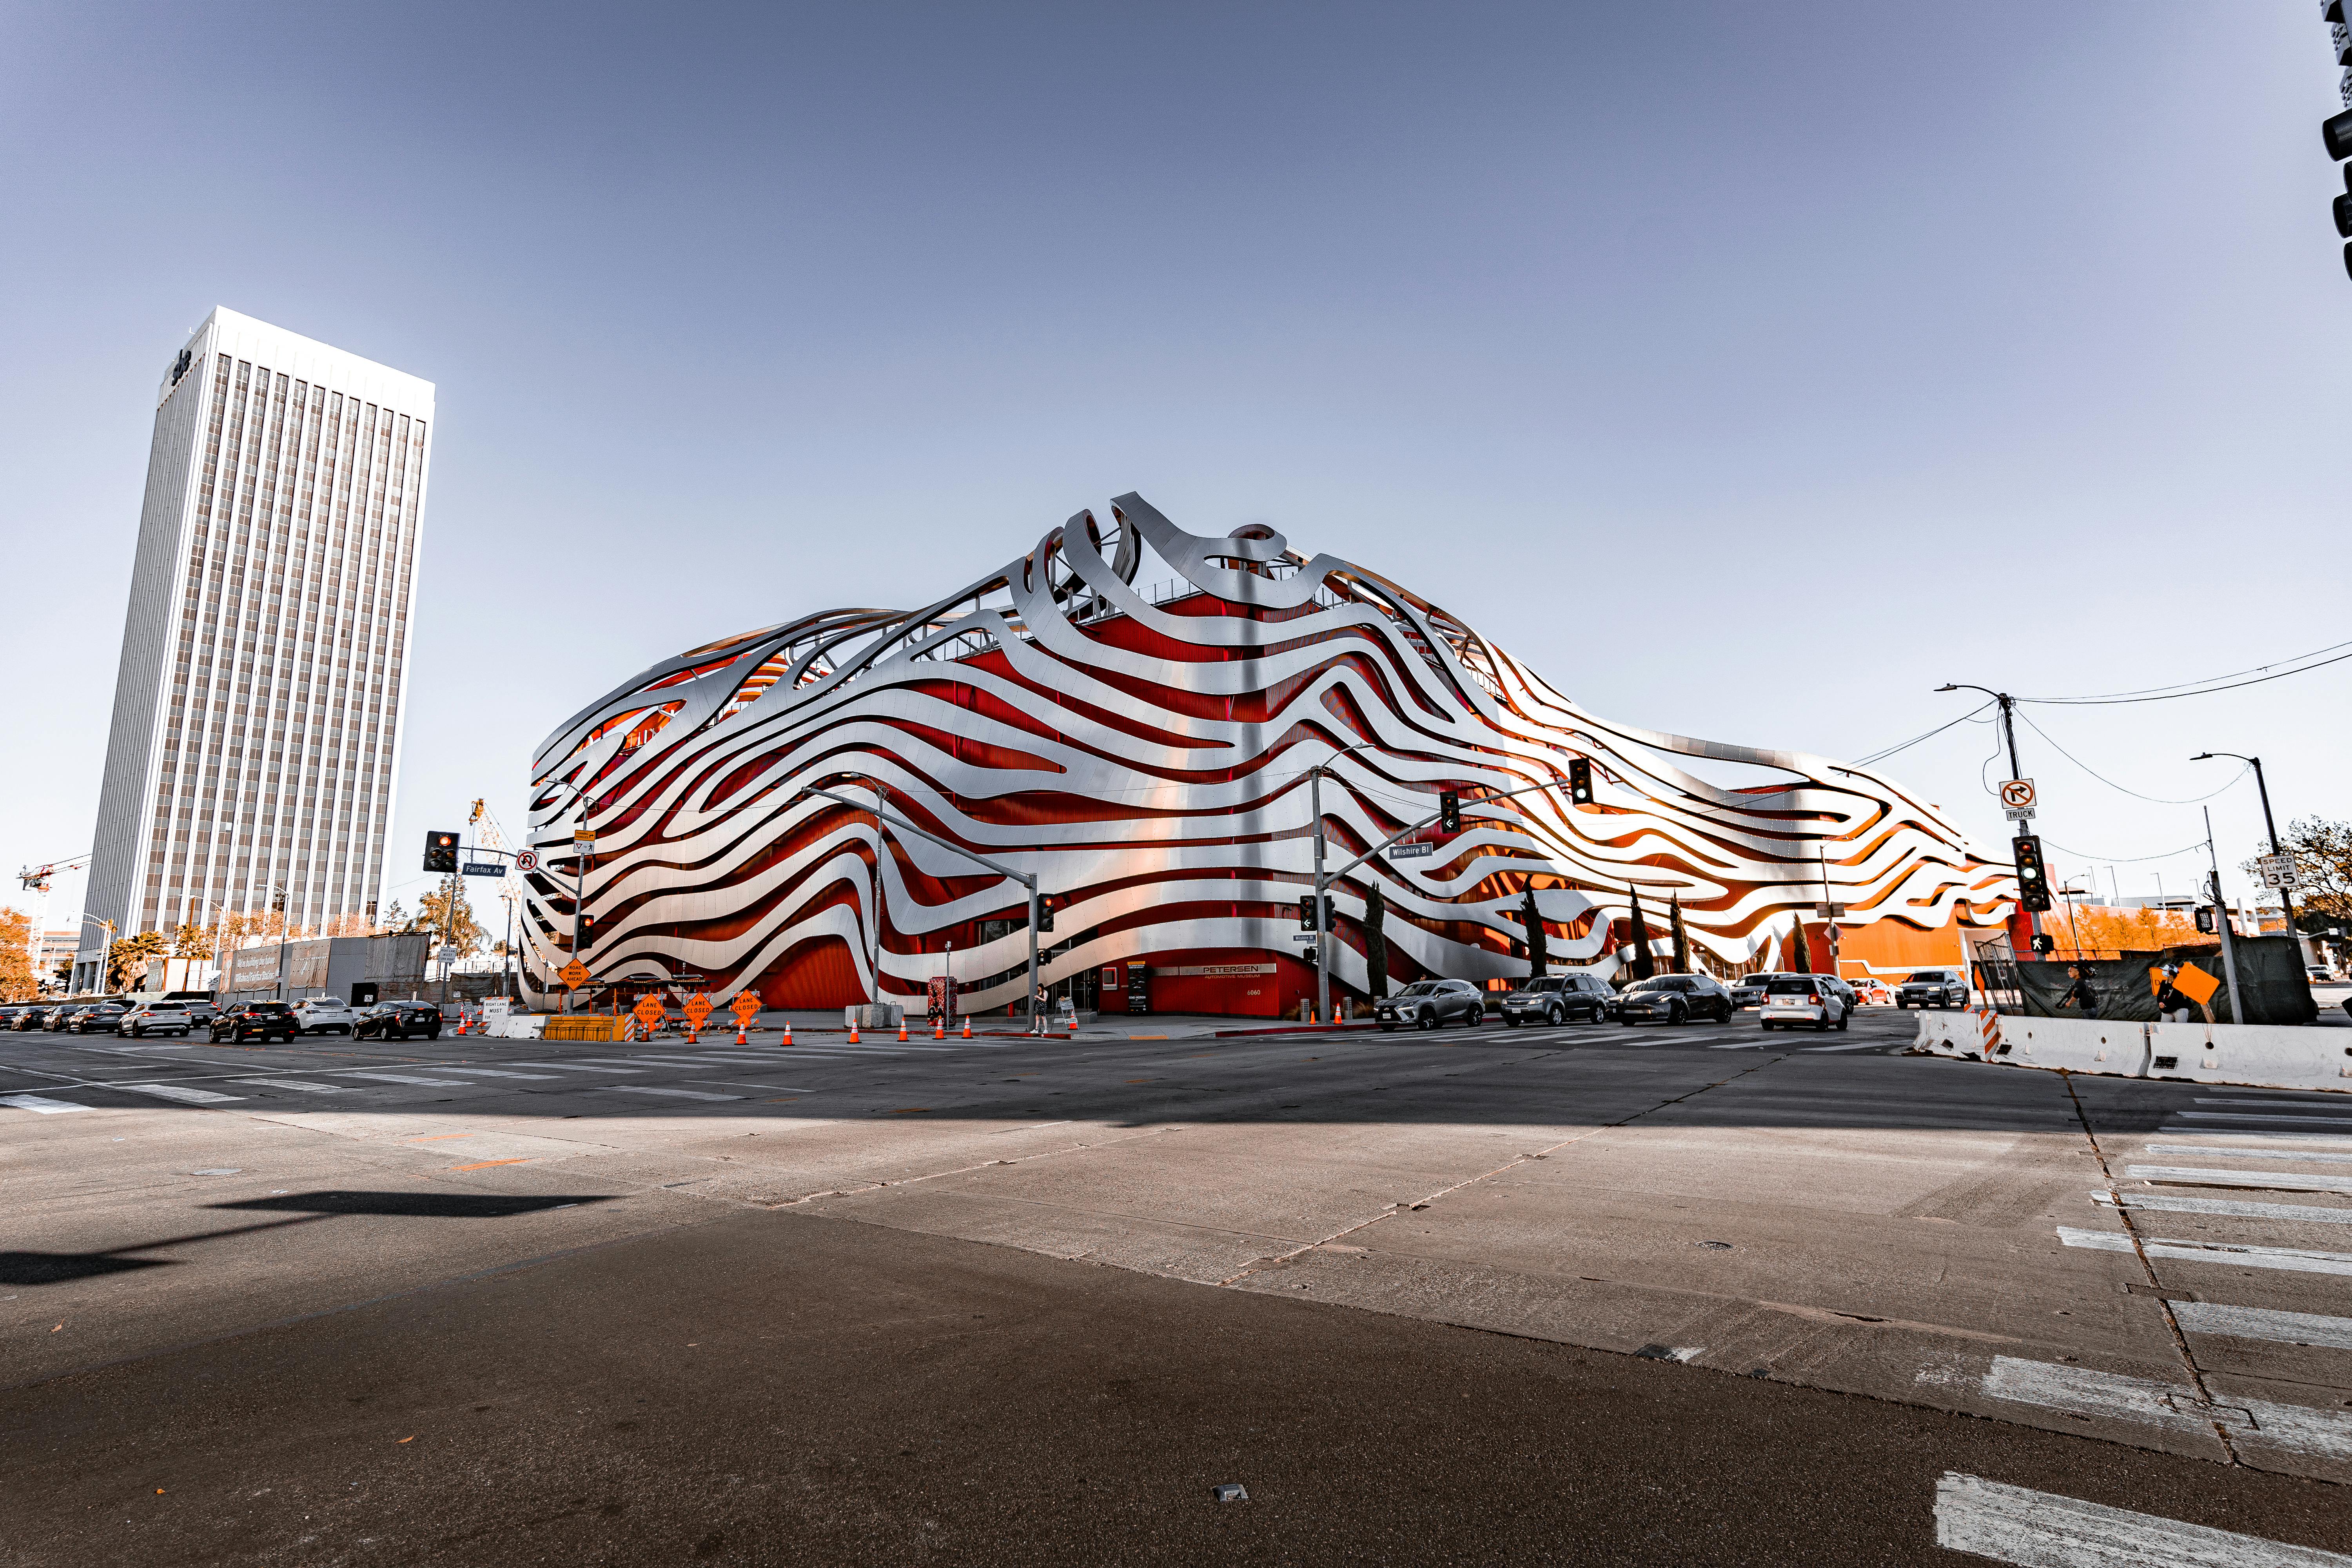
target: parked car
1933 988
1749 990
156 1018
102 1018
1556 998
1806 1001
1873 991
2318 975
398 1021
324 1016
37 1016
254 1020
10 1012
1428 1004
1675 999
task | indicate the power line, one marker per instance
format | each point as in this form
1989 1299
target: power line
2126 859
1906 745
2153 800
2302 662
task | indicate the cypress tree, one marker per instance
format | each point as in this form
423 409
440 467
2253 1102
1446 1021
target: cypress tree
1682 937
1538 946
1643 967
1376 943
1801 957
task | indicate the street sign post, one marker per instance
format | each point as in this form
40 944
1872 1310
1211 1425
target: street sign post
1410 851
481 869
2277 870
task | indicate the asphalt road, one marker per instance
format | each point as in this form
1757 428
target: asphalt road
1593 1294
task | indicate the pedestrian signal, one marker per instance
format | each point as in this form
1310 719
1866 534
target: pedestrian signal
1449 813
1579 782
441 852
2205 920
2032 884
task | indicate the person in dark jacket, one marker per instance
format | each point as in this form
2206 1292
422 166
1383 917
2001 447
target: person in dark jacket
2081 993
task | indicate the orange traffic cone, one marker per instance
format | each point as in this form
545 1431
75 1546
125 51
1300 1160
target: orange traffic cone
1074 1023
939 1029
853 1032
741 1037
967 1025
788 1032
902 1028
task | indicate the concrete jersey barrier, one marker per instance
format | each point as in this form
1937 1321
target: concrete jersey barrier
2265 1056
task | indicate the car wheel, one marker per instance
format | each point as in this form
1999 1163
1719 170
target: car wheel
1766 1025
1510 1021
1552 1016
1822 1024
1388 1028
1843 1019
1673 1013
434 1035
1425 1019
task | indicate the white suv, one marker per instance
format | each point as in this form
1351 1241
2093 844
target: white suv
323 1015
1804 1001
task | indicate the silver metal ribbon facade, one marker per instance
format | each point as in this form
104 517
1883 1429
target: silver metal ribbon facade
1146 754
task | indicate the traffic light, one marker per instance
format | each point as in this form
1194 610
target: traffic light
1307 913
1579 782
1045 916
2336 131
440 851
2032 885
1449 811
2044 943
2205 920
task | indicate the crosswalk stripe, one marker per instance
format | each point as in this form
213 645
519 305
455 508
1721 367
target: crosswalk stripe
2042 1529
2314 1156
679 1093
574 1067
2171 1406
2292 1259
2266 1120
2307 1214
179 1092
2261 1323
497 1072
2194 1175
1862 1046
405 1078
306 1088
40 1104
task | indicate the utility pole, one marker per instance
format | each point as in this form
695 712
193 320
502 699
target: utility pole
2221 919
2016 770
1322 935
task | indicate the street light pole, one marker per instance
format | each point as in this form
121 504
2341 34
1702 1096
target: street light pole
2286 899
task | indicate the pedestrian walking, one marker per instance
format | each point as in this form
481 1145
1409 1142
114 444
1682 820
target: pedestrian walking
2082 993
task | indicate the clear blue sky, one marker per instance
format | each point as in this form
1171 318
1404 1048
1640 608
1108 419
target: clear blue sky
1748 370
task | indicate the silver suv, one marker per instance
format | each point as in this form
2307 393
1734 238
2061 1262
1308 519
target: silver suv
1430 1004
1933 988
167 1017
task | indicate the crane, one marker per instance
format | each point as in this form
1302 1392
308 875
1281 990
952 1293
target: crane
36 880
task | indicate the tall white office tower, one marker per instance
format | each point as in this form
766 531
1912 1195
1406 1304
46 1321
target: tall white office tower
265 657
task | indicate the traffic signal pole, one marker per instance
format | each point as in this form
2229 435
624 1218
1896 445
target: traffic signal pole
2016 770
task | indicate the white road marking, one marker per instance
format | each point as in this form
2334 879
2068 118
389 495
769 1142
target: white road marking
2334 1102
2317 1154
570 1067
2261 1323
2196 1175
2231 1206
179 1092
298 1083
496 1072
1738 1045
405 1078
1861 1046
2080 1390
2040 1530
2293 1260
649 1088
38 1103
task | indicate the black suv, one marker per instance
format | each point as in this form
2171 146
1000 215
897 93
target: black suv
1430 1004
1555 998
105 1018
1674 998
254 1020
397 1021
